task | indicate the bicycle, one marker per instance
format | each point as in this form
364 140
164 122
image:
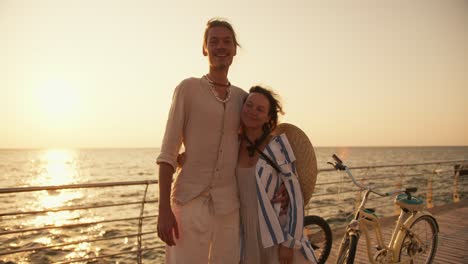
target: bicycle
318 233
414 239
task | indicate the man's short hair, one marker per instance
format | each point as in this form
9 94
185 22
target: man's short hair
218 22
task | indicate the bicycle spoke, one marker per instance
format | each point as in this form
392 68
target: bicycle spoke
319 235
420 243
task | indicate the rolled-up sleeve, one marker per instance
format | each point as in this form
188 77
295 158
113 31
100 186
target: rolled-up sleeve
173 135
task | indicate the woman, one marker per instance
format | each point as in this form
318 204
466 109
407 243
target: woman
266 162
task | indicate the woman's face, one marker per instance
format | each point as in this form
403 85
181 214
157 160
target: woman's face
255 111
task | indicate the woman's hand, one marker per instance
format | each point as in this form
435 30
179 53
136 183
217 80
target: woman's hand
285 255
282 197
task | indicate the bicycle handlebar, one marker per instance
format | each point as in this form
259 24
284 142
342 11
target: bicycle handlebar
337 159
339 165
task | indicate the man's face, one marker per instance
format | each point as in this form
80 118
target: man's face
220 48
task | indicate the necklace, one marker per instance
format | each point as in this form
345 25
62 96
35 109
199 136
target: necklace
255 147
216 83
213 90
251 146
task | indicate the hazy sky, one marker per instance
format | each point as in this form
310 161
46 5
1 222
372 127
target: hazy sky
94 73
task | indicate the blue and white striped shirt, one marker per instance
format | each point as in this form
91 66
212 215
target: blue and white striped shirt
278 229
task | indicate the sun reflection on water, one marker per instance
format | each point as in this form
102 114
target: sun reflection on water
43 240
60 167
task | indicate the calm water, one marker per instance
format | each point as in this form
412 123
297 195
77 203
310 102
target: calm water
56 167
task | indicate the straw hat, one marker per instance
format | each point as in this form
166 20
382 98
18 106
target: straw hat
306 162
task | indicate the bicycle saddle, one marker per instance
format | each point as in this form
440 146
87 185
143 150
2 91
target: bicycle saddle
413 204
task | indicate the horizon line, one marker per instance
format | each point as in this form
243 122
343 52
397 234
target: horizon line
320 146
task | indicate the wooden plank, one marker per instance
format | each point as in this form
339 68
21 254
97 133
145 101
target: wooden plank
453 235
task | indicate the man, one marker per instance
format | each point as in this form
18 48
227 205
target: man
199 220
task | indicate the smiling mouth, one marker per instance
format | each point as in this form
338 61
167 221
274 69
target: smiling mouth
251 117
221 54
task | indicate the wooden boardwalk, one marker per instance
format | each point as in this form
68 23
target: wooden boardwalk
453 235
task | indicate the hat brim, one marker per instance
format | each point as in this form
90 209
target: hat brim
306 161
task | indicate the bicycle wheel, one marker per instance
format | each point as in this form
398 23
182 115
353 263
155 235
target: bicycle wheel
318 233
347 249
420 244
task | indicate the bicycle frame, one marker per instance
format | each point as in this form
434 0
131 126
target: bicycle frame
364 218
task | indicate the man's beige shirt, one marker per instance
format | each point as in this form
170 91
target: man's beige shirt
209 131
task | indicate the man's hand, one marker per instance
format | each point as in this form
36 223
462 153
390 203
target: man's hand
167 226
285 255
167 223
282 197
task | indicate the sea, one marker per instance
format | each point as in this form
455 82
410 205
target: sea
44 167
